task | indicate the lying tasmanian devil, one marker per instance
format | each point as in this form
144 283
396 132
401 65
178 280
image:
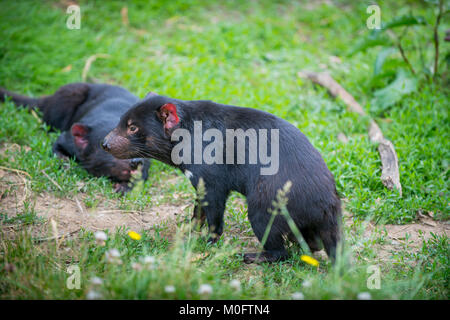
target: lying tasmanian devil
199 138
86 113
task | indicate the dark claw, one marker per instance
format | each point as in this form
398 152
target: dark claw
122 188
213 240
105 146
135 163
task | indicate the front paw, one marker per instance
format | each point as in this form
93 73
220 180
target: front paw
197 224
213 238
122 188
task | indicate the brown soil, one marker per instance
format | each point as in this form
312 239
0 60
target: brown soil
71 216
396 237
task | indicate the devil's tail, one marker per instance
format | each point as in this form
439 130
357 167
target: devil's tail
57 109
20 100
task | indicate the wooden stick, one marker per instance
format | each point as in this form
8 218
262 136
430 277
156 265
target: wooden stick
21 174
56 237
390 176
325 80
89 62
124 14
16 171
52 181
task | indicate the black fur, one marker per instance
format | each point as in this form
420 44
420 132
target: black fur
313 202
90 111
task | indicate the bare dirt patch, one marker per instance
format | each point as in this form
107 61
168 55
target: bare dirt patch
71 215
397 238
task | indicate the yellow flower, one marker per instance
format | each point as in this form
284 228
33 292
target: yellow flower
309 260
134 235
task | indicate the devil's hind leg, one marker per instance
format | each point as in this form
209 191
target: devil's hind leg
274 246
330 233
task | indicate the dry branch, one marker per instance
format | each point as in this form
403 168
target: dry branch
16 171
21 174
89 62
52 181
325 80
57 237
124 14
390 176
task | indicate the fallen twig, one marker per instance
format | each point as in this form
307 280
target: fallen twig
118 211
89 62
124 14
390 175
21 174
16 171
56 237
52 181
80 207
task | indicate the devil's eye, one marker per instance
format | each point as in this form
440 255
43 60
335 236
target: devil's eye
132 128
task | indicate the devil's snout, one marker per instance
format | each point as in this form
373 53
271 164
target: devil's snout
117 145
106 143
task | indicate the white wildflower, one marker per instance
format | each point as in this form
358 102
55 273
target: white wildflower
306 283
113 256
364 296
169 289
136 266
235 284
94 295
149 262
100 238
96 281
297 296
205 289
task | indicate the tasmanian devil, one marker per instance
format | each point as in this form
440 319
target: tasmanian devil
85 113
228 148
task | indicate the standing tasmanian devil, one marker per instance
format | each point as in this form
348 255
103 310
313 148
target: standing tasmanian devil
199 138
85 113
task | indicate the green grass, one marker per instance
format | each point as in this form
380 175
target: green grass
40 272
233 52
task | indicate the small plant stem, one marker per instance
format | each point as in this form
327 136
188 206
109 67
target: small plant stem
400 48
436 40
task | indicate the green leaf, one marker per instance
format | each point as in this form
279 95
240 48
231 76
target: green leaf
378 38
435 2
402 85
404 21
381 58
374 39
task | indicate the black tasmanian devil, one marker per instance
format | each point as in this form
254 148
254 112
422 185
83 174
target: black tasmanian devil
85 113
199 138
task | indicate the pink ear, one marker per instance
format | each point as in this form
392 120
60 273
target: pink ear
168 114
79 133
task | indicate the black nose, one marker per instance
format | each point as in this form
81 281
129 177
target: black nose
134 163
105 146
